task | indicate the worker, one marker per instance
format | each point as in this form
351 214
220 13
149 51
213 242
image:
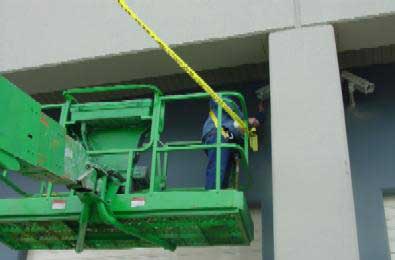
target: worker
232 134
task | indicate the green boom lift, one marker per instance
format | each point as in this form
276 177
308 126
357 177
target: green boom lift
111 202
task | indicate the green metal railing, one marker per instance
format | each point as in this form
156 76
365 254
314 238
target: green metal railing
160 151
194 145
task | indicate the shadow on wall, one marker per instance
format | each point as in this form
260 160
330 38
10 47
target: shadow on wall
371 141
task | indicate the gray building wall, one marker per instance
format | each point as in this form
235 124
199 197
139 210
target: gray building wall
371 132
313 205
62 31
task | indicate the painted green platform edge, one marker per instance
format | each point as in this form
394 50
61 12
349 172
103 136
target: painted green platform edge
188 204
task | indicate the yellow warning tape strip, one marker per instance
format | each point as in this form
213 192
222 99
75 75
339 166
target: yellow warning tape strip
215 121
183 65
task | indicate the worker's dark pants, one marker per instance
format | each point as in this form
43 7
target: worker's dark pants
226 162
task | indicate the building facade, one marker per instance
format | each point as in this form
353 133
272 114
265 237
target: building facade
325 174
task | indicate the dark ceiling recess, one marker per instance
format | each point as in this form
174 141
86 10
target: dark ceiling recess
228 76
175 83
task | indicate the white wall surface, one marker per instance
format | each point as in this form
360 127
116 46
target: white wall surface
252 252
37 32
321 11
313 206
42 32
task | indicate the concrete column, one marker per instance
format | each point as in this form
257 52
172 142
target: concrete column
313 206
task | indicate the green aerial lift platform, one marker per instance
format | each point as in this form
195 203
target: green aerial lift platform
111 201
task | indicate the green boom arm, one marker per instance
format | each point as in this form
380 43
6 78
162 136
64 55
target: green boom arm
33 143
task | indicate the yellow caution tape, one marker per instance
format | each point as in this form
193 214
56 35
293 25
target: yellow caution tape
183 65
215 121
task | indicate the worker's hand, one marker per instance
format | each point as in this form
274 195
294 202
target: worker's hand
253 122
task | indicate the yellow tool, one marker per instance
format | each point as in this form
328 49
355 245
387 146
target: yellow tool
253 139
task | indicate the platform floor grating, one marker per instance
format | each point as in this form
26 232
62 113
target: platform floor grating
190 230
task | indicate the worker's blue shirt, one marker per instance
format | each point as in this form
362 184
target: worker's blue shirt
227 121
